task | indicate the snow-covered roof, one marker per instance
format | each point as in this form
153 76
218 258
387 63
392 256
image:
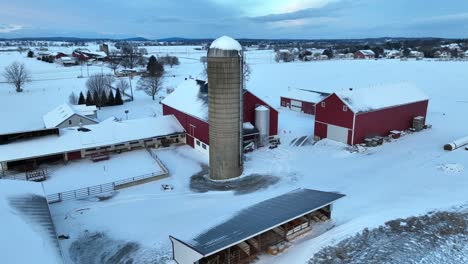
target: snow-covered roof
106 133
367 52
226 43
284 51
262 108
305 96
257 219
382 96
187 98
25 223
60 114
66 59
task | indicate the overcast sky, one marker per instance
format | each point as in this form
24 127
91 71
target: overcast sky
309 19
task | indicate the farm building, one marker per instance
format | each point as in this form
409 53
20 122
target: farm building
301 100
66 61
364 54
66 115
266 227
89 141
189 104
353 115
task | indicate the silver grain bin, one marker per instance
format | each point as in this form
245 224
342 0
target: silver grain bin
225 108
262 123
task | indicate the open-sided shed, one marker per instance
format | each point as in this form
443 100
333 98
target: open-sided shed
257 228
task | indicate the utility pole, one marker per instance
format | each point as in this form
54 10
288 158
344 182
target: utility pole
131 88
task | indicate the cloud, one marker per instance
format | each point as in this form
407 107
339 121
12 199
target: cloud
7 28
331 9
458 17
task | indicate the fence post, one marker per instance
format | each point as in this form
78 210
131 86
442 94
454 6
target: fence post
60 196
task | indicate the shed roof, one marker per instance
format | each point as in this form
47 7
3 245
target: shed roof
26 224
106 133
305 95
260 218
382 96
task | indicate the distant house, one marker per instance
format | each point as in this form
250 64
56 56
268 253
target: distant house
303 101
353 115
66 61
59 55
364 54
67 115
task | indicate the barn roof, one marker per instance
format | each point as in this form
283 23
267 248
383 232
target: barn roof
305 95
382 96
62 113
260 218
26 224
367 52
191 97
106 133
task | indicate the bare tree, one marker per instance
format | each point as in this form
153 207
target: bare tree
73 99
122 85
131 56
99 84
150 85
114 61
204 61
246 71
17 75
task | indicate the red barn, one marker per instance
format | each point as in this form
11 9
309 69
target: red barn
188 103
354 115
303 101
364 54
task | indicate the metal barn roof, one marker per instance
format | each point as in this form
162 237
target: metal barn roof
260 218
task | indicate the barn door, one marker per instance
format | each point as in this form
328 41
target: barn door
337 133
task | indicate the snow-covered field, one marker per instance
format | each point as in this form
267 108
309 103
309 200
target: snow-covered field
410 176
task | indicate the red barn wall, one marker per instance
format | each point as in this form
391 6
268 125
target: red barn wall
250 103
201 127
285 101
333 112
381 122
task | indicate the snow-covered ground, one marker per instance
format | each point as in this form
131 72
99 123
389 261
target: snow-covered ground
409 176
85 173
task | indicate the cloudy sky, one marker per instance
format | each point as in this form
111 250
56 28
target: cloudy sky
309 19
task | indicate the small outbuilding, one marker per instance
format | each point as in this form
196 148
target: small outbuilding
301 100
266 227
66 115
353 115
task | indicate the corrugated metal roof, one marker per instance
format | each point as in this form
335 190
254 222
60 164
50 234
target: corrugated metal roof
260 218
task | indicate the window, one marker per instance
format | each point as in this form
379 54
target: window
322 104
345 108
198 142
69 122
203 146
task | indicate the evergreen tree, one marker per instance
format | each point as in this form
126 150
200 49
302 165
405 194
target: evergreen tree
81 99
110 98
89 99
30 54
103 98
154 67
118 98
96 99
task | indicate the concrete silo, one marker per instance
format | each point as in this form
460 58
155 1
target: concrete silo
225 108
